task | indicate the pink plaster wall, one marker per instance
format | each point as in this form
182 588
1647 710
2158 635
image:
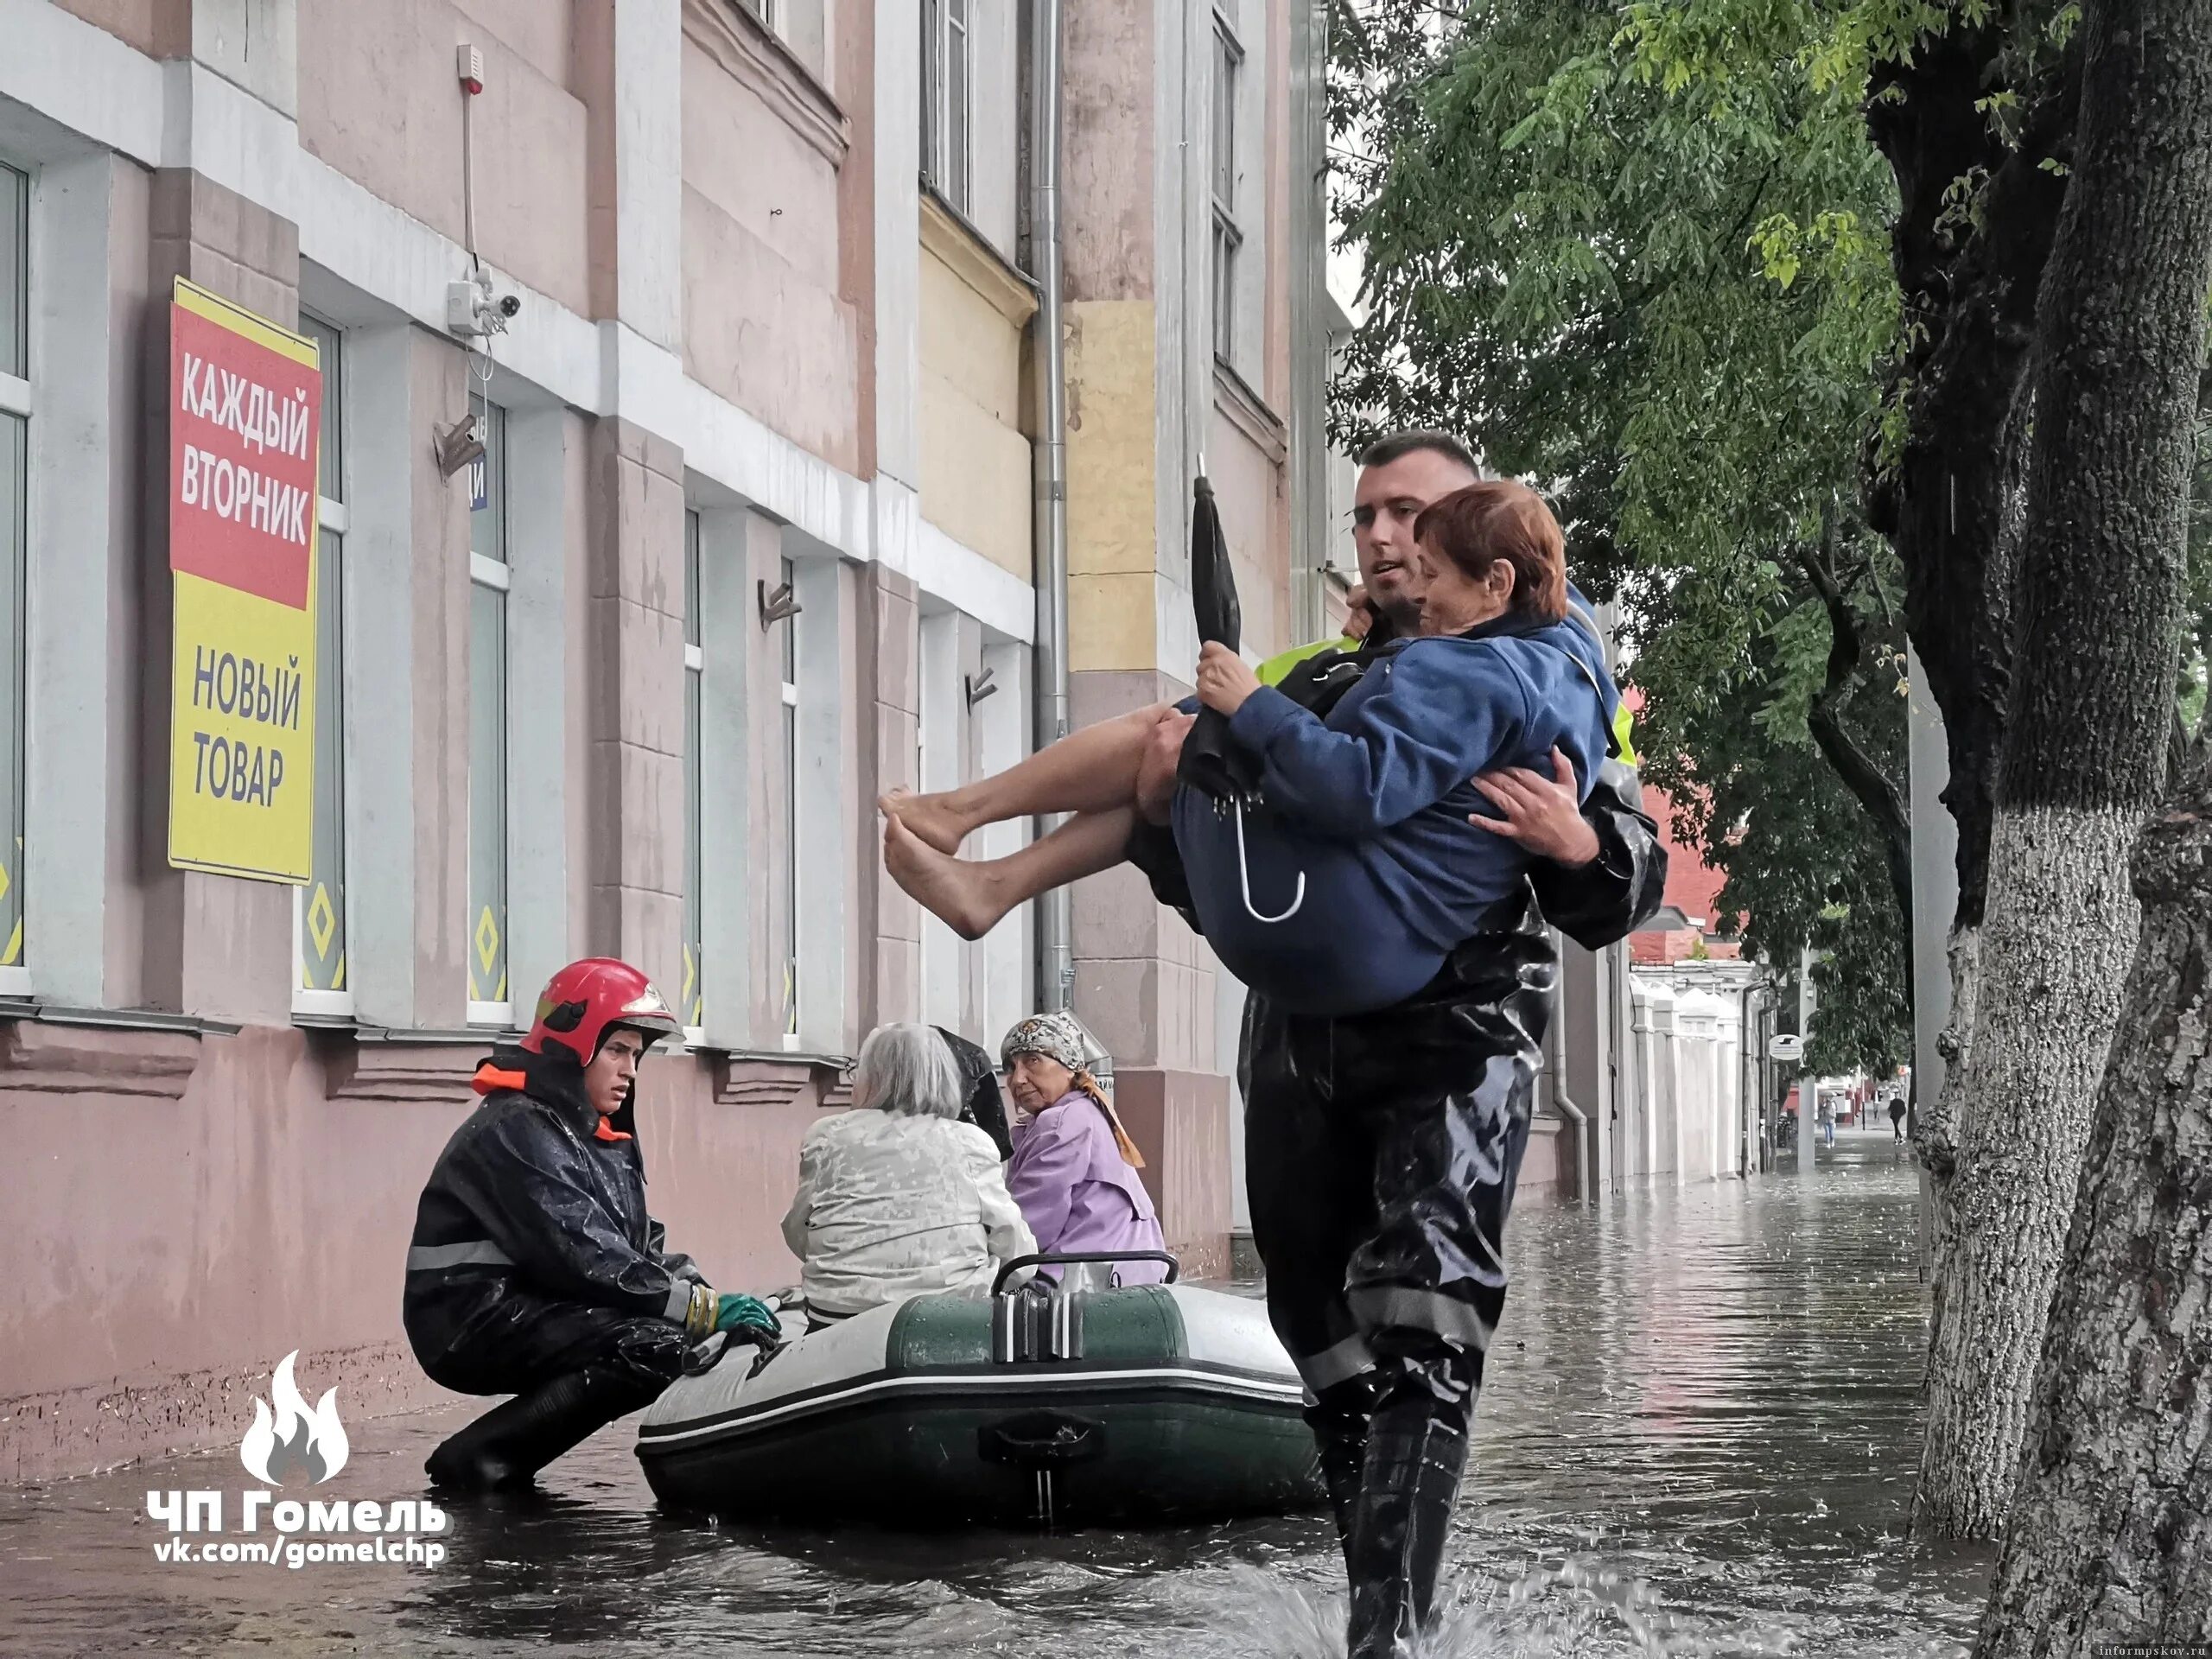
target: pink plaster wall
888 686
1253 490
256 1215
1107 135
632 679
159 28
765 321
439 574
767 817
380 102
132 319
1180 1121
539 32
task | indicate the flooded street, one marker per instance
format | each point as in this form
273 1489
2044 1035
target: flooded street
1698 1436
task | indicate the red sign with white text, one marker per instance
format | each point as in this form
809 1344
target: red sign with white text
244 426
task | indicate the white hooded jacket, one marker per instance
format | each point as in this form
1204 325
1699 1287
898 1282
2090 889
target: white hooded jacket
891 1206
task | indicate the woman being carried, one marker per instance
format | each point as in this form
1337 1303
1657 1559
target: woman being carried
1367 855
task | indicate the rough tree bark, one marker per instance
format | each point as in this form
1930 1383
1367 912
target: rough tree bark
2111 1534
2120 322
1951 501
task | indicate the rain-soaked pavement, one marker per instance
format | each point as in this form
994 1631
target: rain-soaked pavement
1698 1438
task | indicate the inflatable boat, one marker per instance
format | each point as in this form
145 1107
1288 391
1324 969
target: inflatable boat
1064 1405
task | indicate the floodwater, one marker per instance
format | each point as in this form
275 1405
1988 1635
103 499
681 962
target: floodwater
1698 1438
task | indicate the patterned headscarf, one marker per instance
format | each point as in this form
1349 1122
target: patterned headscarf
1059 1036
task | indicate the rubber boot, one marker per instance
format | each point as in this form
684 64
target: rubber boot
1416 1452
509 1444
1338 1418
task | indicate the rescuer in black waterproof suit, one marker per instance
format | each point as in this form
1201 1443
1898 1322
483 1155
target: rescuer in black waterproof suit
1381 1152
534 1268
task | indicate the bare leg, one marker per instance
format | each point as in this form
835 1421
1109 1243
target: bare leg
1093 770
972 898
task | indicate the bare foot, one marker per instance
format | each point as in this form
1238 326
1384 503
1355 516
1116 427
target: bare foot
934 822
956 893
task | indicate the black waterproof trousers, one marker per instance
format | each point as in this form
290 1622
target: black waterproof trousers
535 1270
1381 1152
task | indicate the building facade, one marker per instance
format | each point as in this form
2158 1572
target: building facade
754 536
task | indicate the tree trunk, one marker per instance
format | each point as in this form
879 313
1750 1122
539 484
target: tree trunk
2111 1539
1949 500
2120 325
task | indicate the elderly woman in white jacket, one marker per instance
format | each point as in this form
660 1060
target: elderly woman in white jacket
898 1198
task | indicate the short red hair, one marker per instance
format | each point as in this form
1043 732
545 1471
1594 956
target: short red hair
1476 526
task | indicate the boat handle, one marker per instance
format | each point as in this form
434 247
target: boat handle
1077 1258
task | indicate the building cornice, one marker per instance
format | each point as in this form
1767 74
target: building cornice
1249 412
947 234
753 56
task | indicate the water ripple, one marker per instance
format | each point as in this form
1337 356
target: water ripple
1698 1438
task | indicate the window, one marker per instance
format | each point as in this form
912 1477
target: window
489 576
319 908
764 10
692 1002
1228 70
787 876
15 548
948 66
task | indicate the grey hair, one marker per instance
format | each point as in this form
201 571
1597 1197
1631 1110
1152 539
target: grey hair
908 1069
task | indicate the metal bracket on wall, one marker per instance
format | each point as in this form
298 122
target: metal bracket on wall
458 445
980 686
778 606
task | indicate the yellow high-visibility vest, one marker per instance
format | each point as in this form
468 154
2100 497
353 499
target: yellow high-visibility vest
1277 667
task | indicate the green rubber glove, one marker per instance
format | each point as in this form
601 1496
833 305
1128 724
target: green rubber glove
733 1311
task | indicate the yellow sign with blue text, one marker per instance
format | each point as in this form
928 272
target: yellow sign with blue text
245 416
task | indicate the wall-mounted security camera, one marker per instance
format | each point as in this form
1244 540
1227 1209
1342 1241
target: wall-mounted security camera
473 310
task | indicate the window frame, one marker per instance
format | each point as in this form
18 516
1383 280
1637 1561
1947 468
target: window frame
1225 71
949 146
496 574
18 405
793 943
692 997
333 518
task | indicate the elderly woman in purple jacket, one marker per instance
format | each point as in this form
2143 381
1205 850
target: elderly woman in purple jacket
1074 1170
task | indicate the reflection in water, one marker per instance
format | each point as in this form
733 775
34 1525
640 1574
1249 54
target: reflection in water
1698 1436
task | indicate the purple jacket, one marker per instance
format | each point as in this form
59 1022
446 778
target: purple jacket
1076 1193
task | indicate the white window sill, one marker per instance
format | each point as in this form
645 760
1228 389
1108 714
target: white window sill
323 1005
497 1016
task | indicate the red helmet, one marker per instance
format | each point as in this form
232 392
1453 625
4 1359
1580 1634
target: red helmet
586 999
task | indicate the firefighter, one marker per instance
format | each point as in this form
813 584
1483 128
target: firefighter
534 1269
1381 1148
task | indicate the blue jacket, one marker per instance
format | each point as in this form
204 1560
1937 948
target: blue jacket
1370 803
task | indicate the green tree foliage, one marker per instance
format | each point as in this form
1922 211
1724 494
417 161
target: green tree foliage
1628 266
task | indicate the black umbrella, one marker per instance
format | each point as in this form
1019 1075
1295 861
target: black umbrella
1209 764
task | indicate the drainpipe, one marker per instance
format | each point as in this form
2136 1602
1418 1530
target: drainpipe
1556 1058
1049 506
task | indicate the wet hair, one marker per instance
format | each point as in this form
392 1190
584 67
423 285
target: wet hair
1500 519
909 1071
1396 446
